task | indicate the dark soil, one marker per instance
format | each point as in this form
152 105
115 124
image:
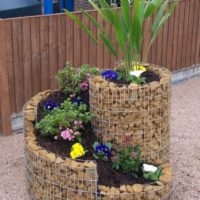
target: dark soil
149 76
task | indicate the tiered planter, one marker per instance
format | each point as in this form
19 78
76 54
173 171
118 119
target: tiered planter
134 114
51 177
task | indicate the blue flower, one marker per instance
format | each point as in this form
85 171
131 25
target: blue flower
110 74
49 105
77 100
102 148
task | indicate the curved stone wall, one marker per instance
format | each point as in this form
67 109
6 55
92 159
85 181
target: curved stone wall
134 114
50 177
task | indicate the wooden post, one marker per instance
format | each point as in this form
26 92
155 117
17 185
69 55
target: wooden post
5 112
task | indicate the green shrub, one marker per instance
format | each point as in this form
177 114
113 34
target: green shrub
63 117
70 78
128 160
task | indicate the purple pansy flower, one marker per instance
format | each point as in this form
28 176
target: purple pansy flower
103 148
109 74
77 100
49 105
84 85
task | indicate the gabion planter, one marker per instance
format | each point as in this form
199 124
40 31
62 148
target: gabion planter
51 177
134 114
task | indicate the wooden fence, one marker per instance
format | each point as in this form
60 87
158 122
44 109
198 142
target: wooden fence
33 49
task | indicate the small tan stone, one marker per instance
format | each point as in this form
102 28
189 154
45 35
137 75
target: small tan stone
33 146
59 160
165 178
129 188
51 156
123 188
137 188
147 188
103 188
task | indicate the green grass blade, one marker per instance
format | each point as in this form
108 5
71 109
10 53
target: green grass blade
141 11
106 11
107 42
162 22
136 29
78 21
93 20
95 6
151 7
126 13
119 32
159 15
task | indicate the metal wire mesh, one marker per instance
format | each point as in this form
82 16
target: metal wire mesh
134 114
48 180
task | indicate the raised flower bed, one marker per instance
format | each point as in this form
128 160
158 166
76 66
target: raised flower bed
53 177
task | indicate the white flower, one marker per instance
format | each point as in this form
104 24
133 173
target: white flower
136 73
149 168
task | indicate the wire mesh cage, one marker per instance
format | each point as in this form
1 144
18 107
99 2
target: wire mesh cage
50 177
134 114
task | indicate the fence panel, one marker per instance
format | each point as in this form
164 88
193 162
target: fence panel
33 49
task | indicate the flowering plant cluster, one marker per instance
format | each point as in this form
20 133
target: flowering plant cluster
134 76
102 151
65 122
151 172
128 160
74 80
77 151
73 133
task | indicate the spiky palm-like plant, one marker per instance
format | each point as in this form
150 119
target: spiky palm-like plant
127 27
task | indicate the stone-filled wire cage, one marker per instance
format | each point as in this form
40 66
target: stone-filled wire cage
134 114
51 177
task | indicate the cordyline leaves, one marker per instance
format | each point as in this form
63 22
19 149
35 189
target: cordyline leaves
127 28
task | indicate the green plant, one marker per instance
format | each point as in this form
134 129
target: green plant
63 117
128 160
70 78
152 175
128 29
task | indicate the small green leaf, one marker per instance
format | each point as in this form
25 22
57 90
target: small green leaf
106 11
126 13
162 22
159 15
151 7
78 21
93 20
108 43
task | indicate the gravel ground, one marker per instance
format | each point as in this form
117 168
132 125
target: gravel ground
185 149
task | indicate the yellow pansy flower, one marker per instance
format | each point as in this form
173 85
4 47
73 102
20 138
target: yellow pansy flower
77 151
138 67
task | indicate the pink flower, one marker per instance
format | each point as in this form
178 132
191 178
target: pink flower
68 134
84 85
88 76
76 122
72 95
76 133
65 134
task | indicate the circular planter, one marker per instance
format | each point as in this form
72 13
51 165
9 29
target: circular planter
51 177
134 114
